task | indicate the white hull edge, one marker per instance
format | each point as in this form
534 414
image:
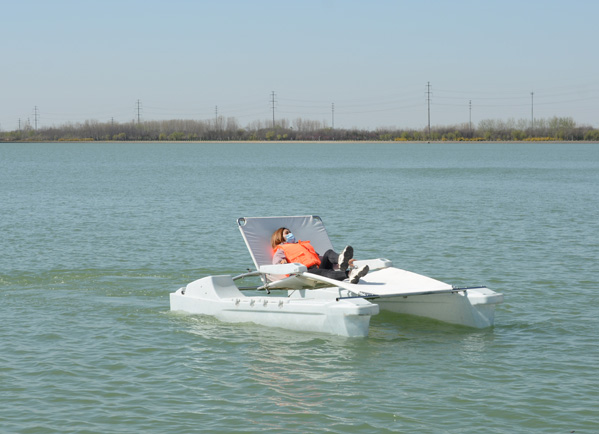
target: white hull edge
219 297
471 308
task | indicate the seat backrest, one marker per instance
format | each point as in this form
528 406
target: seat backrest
256 232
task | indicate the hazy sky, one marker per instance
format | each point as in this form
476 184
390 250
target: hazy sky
85 59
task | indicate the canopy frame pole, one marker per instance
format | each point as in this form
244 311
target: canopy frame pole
453 290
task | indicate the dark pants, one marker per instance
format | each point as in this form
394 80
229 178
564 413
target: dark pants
327 262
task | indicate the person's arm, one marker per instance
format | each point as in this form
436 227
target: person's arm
279 257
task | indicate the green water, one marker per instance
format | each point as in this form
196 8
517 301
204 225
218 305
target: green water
93 238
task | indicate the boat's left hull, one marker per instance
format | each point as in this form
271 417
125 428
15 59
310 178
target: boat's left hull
219 297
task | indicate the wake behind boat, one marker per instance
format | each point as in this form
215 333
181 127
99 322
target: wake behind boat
316 303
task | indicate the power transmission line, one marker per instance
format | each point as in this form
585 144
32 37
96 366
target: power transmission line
532 118
35 116
428 100
470 118
333 114
273 108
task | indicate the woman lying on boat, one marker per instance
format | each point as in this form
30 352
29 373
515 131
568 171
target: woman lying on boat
331 264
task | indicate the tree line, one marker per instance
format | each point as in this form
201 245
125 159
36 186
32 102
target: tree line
556 128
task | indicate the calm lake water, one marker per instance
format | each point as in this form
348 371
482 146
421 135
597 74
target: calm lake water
93 238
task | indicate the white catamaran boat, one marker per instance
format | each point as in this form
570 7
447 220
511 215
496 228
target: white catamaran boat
307 302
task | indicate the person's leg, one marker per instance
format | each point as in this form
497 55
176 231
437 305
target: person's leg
331 274
345 257
329 260
357 273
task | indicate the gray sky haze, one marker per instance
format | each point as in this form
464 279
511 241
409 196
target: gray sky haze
79 60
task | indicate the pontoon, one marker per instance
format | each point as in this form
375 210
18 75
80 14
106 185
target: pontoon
295 299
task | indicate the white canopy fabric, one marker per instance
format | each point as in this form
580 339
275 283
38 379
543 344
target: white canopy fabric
256 232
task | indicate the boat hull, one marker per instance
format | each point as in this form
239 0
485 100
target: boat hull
219 297
471 308
402 291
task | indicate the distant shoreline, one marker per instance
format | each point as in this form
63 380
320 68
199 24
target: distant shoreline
281 142
555 129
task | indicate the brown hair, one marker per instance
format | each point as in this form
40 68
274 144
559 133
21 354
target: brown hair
277 237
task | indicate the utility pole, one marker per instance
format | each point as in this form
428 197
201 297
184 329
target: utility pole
532 117
273 108
470 119
138 111
428 100
216 117
19 125
333 113
35 116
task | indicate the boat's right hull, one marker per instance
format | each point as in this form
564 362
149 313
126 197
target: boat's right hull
471 308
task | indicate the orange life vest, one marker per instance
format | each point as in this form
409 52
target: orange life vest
301 252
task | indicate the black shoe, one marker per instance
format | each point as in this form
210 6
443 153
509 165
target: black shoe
344 257
356 273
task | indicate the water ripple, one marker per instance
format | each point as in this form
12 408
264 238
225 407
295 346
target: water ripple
96 237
